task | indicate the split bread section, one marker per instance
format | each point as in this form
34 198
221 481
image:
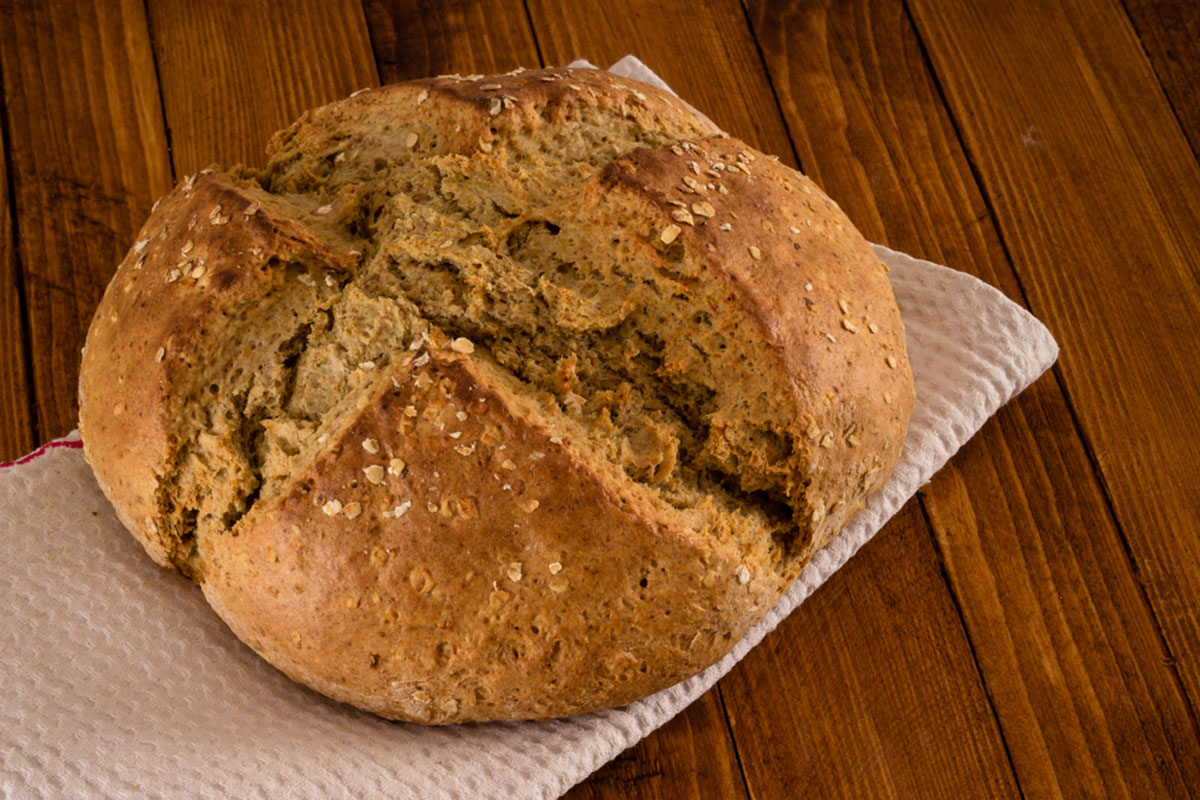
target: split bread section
461 411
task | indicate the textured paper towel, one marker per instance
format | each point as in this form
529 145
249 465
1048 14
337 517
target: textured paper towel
118 681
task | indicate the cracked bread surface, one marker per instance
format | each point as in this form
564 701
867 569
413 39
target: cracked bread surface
504 397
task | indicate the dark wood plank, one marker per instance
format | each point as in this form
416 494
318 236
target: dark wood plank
17 433
1095 192
1169 31
692 756
708 54
415 40
866 663
235 71
1067 647
89 155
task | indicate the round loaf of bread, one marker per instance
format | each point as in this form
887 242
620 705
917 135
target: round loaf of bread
505 397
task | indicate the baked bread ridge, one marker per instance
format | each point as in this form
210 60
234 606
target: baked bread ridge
341 273
421 610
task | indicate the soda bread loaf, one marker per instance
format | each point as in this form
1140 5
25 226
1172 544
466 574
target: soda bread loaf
505 397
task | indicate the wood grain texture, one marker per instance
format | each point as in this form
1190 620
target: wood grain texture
1067 648
1095 192
868 689
17 434
89 155
704 51
710 57
692 756
1170 33
416 40
235 71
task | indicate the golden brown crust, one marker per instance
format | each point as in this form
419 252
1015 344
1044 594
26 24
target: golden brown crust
431 546
472 569
204 250
819 293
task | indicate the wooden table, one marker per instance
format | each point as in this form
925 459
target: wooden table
1030 624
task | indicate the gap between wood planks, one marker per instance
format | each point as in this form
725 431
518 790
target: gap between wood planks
18 415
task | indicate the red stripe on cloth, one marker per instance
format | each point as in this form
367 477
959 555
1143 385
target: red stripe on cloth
40 451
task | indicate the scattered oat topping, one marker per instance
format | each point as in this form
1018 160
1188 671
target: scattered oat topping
743 574
322 210
559 585
462 345
423 96
808 287
848 325
374 473
507 464
872 327
455 434
496 105
370 445
365 366
158 357
554 567
410 411
332 508
724 226
794 229
831 337
669 233
852 439
515 570
681 215
253 208
703 210
421 360
399 511
461 416
843 306
187 247
676 150
198 272
410 140
887 398
352 510
827 440
755 253
396 467
465 450
891 361
529 505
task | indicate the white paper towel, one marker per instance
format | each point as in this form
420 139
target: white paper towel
118 681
